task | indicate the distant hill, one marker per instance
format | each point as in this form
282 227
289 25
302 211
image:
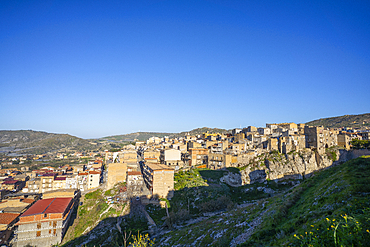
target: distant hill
37 142
199 131
353 121
143 136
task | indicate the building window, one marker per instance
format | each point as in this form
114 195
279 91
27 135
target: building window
38 234
45 215
50 231
55 232
38 225
54 224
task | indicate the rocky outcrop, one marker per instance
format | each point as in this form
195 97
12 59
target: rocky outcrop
295 165
232 179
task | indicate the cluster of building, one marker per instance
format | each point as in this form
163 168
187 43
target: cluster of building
25 218
28 220
83 177
26 159
159 158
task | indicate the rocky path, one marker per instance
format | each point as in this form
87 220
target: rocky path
242 238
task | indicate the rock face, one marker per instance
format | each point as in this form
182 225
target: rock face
232 179
277 166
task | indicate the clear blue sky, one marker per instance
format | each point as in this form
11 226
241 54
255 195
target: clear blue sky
99 68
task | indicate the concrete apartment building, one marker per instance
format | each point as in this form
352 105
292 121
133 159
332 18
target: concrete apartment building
44 223
171 157
93 179
47 181
219 161
11 209
198 157
59 183
116 173
158 179
152 154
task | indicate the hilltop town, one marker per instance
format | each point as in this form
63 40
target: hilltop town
38 201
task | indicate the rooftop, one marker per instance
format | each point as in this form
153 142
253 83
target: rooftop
7 218
157 166
48 206
134 173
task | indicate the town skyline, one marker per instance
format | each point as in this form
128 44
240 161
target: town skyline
181 131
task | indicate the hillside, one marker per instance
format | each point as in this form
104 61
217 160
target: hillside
331 206
37 142
143 136
200 131
353 121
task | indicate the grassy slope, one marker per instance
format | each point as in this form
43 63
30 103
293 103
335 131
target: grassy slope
88 214
343 121
314 207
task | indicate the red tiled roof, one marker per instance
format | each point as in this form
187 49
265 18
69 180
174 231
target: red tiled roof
10 182
48 206
94 172
83 173
7 218
60 178
133 173
27 200
48 175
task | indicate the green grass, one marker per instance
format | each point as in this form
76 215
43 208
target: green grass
341 190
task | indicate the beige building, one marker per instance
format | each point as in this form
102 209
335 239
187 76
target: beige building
239 137
194 144
93 179
264 131
320 138
44 223
116 173
180 146
249 129
47 181
272 144
171 157
198 157
159 179
292 143
344 139
59 183
152 154
219 161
